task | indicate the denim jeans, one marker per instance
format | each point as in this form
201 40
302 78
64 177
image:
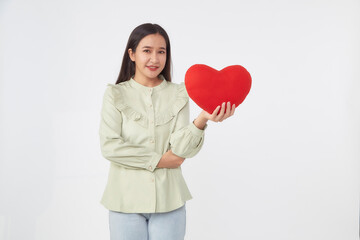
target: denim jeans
148 226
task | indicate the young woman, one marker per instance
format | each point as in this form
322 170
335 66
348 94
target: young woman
146 135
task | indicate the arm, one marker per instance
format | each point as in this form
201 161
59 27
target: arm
187 139
113 146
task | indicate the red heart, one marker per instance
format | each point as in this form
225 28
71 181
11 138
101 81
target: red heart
208 87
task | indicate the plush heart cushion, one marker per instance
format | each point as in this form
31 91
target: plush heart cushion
208 87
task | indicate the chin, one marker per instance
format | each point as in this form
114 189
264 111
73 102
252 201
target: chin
152 76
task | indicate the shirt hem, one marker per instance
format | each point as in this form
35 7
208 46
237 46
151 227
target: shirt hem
142 210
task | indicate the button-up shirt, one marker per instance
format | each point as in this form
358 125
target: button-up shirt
138 125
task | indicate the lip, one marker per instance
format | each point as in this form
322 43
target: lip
152 68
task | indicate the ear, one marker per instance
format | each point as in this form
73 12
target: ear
131 54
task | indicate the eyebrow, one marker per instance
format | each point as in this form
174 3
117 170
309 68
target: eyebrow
151 47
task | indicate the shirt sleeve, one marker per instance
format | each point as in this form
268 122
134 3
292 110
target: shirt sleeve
187 139
113 146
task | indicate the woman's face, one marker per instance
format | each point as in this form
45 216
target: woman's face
149 57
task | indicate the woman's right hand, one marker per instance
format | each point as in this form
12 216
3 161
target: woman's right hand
170 160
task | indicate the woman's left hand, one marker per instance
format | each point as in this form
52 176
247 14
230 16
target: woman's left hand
204 116
222 115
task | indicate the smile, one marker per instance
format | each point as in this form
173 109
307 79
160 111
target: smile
153 68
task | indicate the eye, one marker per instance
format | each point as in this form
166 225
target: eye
162 51
146 50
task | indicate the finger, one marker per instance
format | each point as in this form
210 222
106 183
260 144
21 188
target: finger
215 111
221 114
233 110
228 110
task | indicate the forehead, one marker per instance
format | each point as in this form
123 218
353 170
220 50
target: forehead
153 40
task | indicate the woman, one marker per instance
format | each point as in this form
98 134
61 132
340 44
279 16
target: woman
146 135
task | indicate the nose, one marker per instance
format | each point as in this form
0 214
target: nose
154 57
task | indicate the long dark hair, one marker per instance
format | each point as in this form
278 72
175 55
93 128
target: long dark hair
127 69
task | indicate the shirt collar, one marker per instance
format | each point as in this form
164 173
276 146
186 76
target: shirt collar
139 86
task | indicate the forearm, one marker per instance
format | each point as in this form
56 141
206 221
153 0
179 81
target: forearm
127 154
187 141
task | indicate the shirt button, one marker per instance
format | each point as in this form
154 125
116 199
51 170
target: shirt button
150 167
150 105
152 140
152 180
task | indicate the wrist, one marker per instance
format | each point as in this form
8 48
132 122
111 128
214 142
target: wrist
200 122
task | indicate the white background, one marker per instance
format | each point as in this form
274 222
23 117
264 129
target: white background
284 167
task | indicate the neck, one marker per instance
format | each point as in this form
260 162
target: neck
148 82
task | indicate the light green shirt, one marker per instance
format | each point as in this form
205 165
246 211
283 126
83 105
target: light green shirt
138 125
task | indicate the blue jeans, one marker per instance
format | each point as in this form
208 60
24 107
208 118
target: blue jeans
148 226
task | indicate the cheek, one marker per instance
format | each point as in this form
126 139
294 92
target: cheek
144 59
163 59
141 58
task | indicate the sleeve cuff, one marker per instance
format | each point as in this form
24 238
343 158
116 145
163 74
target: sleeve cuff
151 165
195 130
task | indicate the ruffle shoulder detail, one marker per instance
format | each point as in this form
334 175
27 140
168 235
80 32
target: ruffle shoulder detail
180 101
128 111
